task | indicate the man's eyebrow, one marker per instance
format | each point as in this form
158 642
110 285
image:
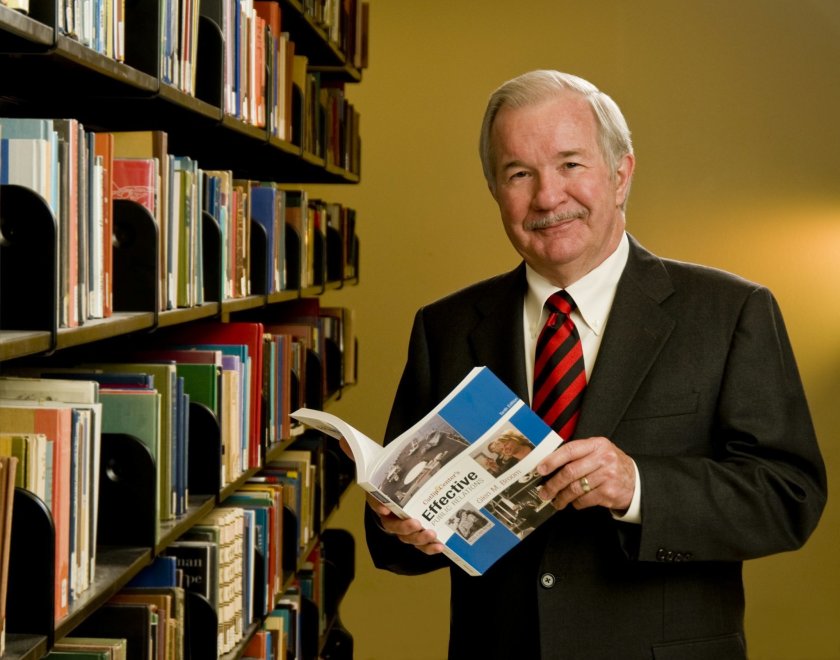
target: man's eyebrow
512 163
570 153
566 153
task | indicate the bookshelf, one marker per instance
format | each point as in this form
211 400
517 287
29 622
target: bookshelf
49 74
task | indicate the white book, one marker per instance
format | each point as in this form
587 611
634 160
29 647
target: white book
456 471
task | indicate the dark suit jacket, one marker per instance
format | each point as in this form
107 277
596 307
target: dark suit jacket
696 381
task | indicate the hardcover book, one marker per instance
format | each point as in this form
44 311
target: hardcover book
466 470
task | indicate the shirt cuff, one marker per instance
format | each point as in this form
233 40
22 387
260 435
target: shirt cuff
634 511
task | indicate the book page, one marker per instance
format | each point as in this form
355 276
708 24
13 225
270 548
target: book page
366 452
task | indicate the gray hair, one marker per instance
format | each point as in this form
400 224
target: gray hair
536 86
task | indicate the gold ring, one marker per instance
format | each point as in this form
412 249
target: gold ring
584 483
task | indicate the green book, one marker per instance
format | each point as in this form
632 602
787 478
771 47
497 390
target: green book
113 648
136 412
165 380
78 655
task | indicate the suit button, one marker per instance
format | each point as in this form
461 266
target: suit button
661 554
547 580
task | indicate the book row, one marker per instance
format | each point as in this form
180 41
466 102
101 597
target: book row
93 488
262 237
239 56
240 580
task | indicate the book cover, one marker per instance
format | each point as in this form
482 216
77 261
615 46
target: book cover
166 382
151 145
199 562
135 412
162 572
263 210
136 179
466 470
56 424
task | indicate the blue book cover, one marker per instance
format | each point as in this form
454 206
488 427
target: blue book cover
162 572
466 470
263 207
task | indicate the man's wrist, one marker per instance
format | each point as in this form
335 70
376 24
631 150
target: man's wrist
633 514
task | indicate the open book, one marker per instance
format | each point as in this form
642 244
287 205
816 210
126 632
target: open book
466 470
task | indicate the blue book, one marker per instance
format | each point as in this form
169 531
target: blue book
162 572
466 470
263 211
34 129
4 159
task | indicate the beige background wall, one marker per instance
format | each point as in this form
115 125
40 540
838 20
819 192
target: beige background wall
735 111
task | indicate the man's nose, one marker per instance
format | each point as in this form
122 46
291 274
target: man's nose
550 191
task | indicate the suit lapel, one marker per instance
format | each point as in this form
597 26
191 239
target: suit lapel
497 339
636 331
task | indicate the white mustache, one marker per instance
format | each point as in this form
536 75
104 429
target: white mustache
557 218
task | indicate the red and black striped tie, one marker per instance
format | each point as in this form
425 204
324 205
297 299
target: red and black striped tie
559 376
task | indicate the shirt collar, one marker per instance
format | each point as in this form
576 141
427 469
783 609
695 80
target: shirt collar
593 293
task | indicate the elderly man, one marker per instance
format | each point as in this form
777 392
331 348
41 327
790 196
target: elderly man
690 445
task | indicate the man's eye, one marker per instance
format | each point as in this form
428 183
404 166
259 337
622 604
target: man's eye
570 166
518 175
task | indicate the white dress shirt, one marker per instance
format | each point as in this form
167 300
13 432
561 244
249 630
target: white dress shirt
593 295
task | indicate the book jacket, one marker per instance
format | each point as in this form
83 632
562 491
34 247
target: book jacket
466 470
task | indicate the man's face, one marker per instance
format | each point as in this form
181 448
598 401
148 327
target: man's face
560 204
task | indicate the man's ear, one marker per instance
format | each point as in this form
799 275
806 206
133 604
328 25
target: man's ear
623 177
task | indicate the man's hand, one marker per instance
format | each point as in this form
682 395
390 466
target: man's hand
408 531
588 472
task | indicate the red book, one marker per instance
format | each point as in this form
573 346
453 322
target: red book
257 646
259 89
136 179
270 12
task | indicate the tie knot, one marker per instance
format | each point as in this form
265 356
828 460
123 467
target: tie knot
561 302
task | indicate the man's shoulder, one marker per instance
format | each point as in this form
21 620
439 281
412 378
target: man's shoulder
685 273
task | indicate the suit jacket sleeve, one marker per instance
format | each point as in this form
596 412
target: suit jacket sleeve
414 398
759 486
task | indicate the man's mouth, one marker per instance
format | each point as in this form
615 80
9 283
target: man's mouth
554 220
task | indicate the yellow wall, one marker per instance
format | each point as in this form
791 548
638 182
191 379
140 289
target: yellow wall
735 111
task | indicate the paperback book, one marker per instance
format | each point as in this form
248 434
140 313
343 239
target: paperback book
466 470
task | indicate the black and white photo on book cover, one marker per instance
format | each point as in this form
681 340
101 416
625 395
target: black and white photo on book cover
466 470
